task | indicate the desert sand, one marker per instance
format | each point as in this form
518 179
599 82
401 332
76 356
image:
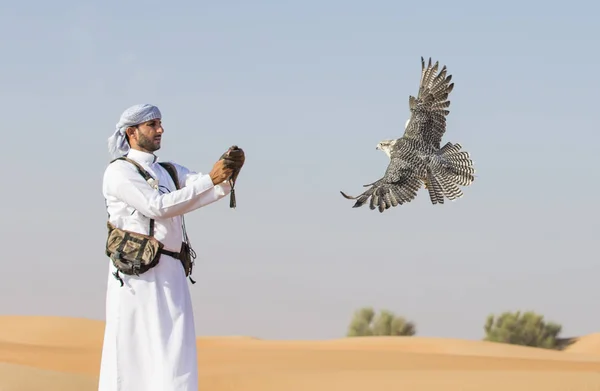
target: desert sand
54 353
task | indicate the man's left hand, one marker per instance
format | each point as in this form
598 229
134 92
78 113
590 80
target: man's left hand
234 158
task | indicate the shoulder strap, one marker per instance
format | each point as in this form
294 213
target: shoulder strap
167 166
172 171
140 169
148 179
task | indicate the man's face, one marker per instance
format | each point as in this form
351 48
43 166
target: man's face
146 136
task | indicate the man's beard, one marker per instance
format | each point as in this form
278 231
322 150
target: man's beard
147 143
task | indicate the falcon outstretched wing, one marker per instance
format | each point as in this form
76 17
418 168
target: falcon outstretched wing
427 123
398 186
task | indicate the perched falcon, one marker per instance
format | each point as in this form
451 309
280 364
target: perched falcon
416 158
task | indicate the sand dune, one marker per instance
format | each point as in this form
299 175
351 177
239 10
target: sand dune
52 353
51 331
24 378
587 344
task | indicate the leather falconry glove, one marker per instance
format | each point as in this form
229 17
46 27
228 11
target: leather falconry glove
234 158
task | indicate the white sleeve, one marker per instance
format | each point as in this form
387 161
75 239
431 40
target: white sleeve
124 182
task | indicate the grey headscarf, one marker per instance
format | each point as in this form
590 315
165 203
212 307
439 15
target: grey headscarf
134 115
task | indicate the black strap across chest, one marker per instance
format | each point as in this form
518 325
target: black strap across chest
147 177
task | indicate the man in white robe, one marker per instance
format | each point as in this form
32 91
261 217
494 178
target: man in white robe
149 340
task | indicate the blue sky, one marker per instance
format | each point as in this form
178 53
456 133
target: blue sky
308 89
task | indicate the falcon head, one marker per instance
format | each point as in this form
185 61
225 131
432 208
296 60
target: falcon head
386 146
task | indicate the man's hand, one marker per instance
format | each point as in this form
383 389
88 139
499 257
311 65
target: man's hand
220 172
235 158
229 164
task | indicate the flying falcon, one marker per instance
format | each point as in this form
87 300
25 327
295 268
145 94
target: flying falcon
416 158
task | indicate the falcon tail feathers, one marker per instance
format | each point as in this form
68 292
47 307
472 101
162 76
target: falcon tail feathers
453 167
458 164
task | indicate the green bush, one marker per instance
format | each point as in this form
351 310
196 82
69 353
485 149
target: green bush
527 329
365 323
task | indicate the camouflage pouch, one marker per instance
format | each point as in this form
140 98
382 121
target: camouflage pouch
132 253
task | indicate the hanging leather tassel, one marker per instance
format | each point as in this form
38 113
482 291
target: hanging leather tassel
232 203
232 200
